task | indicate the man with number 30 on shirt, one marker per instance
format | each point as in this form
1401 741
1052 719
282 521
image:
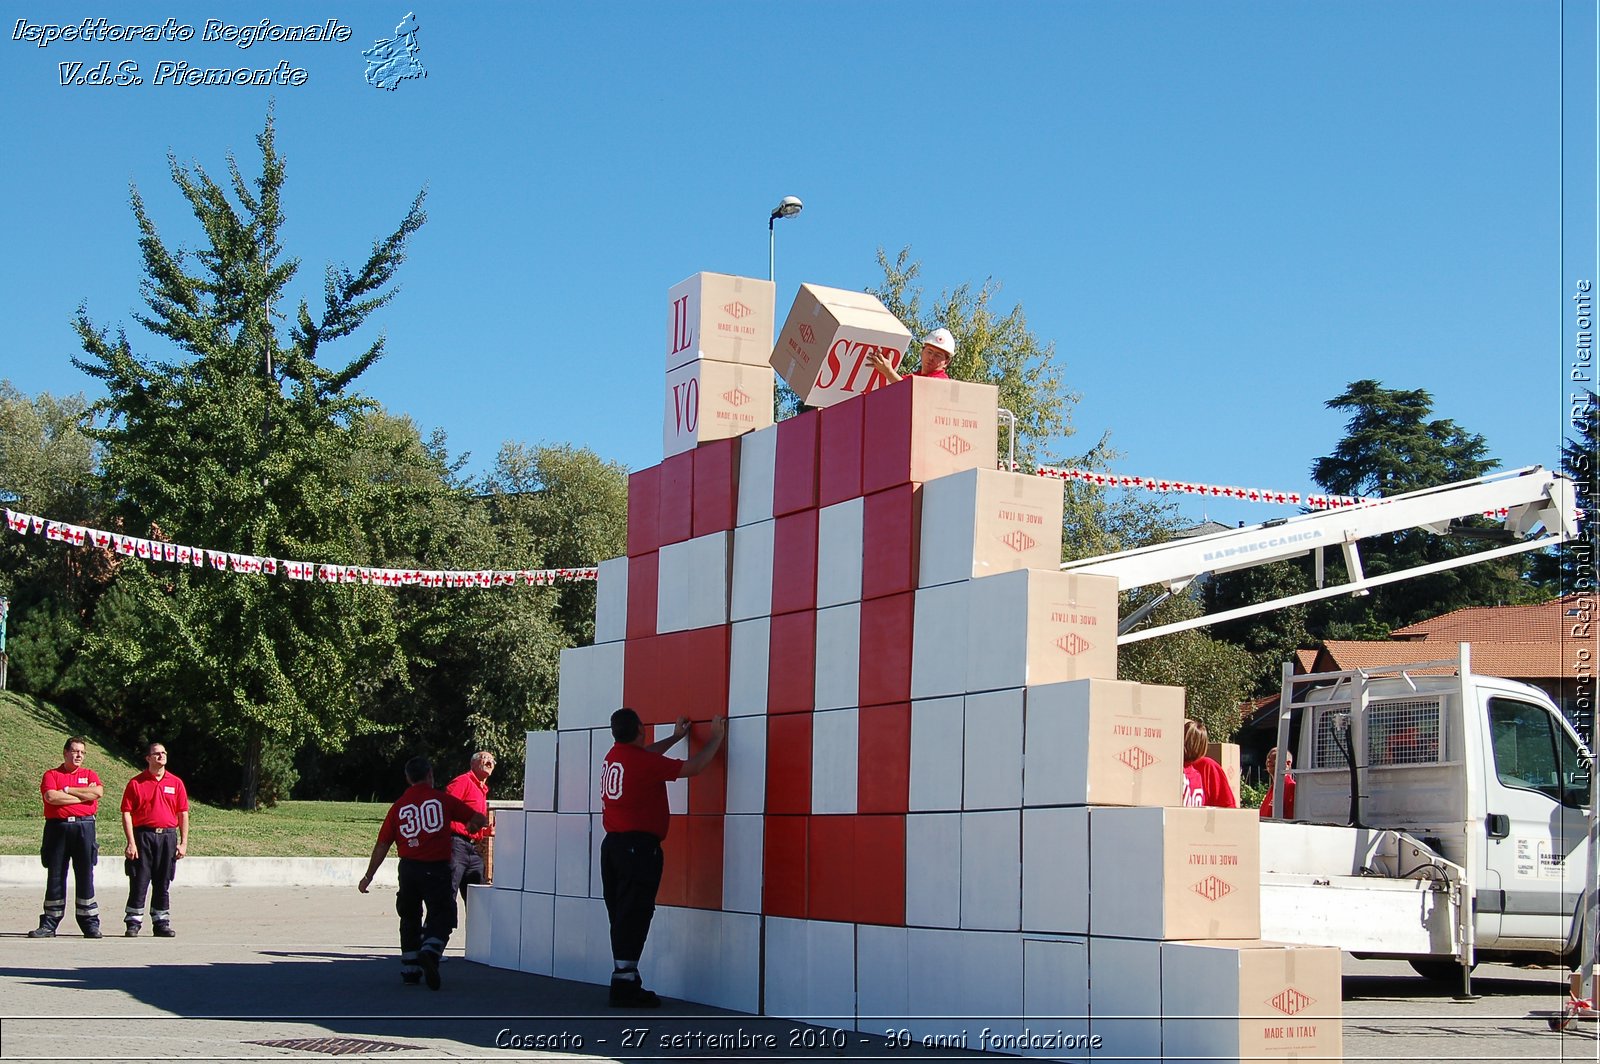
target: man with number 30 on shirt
420 823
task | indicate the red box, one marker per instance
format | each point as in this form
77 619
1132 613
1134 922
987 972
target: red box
891 535
839 453
794 484
883 780
641 684
708 792
704 887
886 625
644 582
794 562
880 871
831 869
789 765
792 664
783 866
644 511
716 486
691 673
676 859
676 507
922 429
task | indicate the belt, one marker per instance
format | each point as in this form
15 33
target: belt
72 819
157 831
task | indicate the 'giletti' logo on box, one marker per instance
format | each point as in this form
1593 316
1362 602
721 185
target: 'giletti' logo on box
1212 889
1291 1001
736 310
807 333
1137 758
737 397
955 445
1018 541
1073 643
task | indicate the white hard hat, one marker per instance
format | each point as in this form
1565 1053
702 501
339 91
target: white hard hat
941 339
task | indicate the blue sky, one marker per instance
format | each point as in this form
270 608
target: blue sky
1220 213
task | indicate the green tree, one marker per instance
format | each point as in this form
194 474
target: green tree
1215 674
240 439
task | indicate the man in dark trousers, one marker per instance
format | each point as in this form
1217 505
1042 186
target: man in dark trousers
472 787
420 822
155 821
633 794
71 796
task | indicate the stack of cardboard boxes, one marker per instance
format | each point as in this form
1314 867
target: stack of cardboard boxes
939 811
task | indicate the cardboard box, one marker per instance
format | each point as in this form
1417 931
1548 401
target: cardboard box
794 562
1174 873
539 771
984 521
1125 997
788 766
823 349
1103 742
835 743
538 933
1055 876
784 858
991 870
714 401
838 659
611 601
939 641
758 457
720 317
1226 755
794 477
891 522
839 531
924 428
692 581
590 685
644 584
886 636
750 645
752 572
1032 627
933 853
741 863
884 759
644 511
1251 1001
839 453
937 726
716 486
791 663
809 971
538 843
675 503
992 751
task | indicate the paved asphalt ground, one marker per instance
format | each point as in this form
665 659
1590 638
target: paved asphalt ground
257 965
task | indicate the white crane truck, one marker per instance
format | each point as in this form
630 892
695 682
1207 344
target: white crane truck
1440 816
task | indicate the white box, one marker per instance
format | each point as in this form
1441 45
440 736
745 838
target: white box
591 686
539 771
835 749
505 922
538 934
600 744
707 401
752 571
984 521
1125 1004
1174 873
810 971
1055 873
746 745
742 839
1031 627
882 978
538 853
991 871
572 855
582 940
1055 995
1251 1001
758 461
1103 742
939 641
704 956
720 316
611 601
597 836
933 870
838 657
936 748
574 770
692 583
509 836
992 751
480 922
749 651
964 981
839 531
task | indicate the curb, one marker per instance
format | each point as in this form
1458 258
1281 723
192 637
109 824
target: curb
226 871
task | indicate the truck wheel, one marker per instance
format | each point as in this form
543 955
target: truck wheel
1439 971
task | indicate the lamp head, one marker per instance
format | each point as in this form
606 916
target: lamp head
787 207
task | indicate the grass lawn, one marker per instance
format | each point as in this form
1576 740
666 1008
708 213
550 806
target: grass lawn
32 733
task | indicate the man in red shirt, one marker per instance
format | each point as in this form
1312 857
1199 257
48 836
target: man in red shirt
472 787
633 797
937 351
71 796
420 822
1288 784
155 821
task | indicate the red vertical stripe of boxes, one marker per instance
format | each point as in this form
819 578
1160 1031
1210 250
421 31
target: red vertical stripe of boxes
856 869
644 512
883 760
676 507
789 764
716 486
839 453
885 676
675 861
886 439
792 664
644 575
691 867
784 857
891 531
794 485
708 792
794 562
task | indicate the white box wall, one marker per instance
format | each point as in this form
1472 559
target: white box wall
839 542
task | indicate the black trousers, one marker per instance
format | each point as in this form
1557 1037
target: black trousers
69 842
424 885
466 865
630 875
152 873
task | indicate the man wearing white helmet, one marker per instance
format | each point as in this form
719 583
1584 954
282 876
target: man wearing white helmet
938 348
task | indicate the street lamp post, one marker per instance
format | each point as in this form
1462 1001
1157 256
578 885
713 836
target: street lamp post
788 207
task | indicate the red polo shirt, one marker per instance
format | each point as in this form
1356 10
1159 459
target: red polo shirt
633 790
420 822
155 803
475 793
58 779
